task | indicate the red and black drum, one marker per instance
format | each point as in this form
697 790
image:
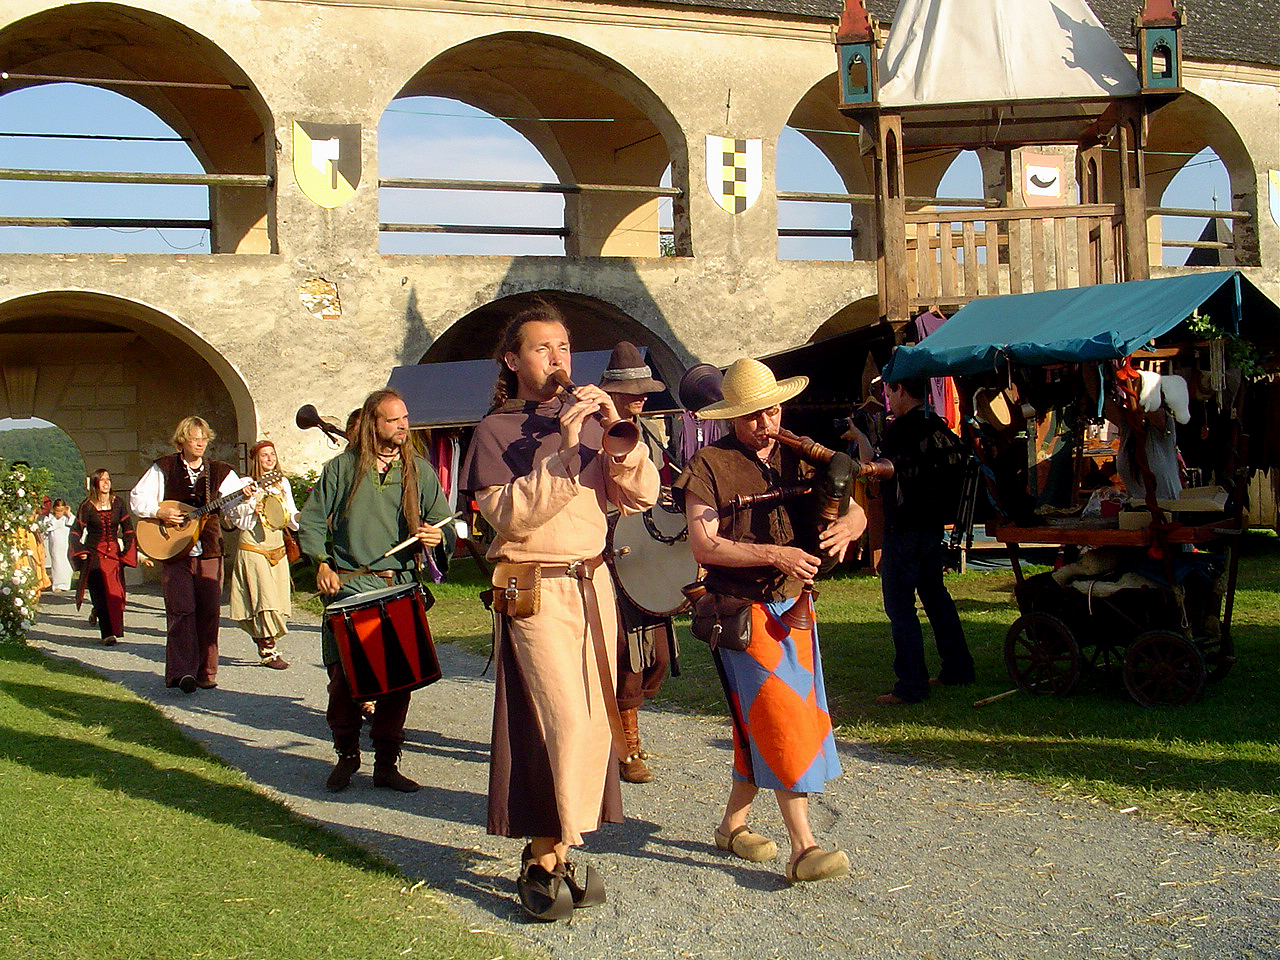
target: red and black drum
384 641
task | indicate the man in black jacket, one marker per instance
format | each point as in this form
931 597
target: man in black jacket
916 505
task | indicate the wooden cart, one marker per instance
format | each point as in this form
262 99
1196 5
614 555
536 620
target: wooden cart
1165 642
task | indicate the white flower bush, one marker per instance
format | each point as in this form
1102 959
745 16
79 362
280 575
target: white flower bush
21 491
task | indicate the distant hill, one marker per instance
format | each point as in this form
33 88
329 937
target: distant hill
52 449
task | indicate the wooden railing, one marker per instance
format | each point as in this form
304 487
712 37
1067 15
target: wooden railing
957 255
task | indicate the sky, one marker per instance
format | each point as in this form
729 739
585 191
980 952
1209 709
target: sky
418 137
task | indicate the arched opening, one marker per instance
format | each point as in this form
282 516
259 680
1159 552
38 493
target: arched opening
116 375
44 444
182 78
442 139
852 316
1193 154
963 178
605 138
593 325
62 125
817 153
810 230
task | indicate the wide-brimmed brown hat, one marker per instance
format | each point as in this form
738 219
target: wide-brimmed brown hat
700 386
749 386
628 373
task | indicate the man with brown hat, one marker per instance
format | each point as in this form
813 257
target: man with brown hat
646 643
782 734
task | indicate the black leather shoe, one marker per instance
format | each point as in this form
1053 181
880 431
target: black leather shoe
340 776
544 896
187 684
585 886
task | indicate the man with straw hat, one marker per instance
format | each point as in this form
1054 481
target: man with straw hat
646 643
782 735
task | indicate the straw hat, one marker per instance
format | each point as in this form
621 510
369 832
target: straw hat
749 386
628 373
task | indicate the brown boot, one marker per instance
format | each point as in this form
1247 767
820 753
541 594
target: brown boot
632 767
387 774
340 777
269 654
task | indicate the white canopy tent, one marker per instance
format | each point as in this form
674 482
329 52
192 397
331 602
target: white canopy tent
1012 69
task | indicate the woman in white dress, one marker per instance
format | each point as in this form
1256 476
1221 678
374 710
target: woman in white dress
261 590
57 536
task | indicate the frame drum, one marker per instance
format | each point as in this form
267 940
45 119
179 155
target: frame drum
651 559
384 641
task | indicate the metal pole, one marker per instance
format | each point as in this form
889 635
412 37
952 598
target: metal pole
109 176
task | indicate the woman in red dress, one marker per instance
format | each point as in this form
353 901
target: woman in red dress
102 545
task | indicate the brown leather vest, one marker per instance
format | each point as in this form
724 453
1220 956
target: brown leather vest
178 486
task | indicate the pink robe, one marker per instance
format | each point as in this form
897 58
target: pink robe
554 766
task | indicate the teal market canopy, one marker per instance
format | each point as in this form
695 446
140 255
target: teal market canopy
1102 322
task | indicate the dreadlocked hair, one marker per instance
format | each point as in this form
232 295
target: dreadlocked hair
365 445
512 338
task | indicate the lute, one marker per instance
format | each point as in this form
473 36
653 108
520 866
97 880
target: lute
162 542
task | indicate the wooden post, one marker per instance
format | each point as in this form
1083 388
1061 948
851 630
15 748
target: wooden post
891 220
1133 187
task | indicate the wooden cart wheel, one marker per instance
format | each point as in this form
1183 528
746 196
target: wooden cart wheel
1042 655
1163 668
1219 656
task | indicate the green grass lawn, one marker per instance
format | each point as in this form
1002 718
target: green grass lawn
123 839
1215 763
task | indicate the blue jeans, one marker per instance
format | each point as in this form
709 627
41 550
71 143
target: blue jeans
911 563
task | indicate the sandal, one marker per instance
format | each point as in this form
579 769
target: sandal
814 863
747 845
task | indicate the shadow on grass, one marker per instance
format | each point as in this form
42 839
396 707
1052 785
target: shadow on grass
164 777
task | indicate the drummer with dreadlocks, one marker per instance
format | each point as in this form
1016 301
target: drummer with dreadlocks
369 498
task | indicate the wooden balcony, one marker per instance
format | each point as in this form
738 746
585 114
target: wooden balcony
954 256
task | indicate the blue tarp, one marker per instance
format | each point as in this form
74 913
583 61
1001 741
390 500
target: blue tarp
1102 322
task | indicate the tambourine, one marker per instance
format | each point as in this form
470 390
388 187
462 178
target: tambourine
274 515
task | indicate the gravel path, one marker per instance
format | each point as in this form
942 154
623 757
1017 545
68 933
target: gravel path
944 865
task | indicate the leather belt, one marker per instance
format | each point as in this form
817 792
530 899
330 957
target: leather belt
274 555
578 569
388 575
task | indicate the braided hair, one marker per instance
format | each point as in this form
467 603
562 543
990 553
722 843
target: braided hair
512 339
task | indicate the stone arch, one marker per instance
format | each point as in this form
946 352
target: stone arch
852 316
116 375
594 324
816 117
227 122
1185 126
531 79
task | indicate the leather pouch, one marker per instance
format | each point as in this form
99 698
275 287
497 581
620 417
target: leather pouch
517 589
722 621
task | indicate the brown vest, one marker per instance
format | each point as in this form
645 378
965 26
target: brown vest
177 486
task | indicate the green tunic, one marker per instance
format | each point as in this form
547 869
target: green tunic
367 527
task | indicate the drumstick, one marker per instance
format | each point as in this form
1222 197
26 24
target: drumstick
999 696
400 546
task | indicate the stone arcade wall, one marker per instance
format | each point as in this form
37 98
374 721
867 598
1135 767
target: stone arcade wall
241 337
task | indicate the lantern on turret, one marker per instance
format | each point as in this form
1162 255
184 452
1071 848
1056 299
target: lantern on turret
1157 26
856 47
